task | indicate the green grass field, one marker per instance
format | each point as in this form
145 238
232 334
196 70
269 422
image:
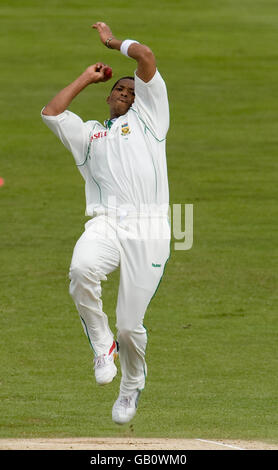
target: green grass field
212 351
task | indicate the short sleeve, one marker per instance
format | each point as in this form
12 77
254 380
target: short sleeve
151 104
72 131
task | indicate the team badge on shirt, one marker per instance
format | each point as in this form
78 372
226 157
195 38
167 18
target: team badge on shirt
125 129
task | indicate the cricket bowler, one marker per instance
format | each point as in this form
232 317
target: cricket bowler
123 163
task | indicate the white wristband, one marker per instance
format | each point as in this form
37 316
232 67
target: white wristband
125 45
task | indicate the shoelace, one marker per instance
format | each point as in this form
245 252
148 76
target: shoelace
125 401
100 361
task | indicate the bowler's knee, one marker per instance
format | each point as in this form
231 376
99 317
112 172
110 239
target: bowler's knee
78 272
82 274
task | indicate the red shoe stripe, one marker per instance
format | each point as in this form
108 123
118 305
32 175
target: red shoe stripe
112 347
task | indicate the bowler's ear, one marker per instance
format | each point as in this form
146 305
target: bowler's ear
107 99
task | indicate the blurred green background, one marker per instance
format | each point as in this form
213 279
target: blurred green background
212 351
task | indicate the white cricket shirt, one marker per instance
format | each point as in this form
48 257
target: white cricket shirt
124 167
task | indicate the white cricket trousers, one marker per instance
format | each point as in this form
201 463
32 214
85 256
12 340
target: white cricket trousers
140 247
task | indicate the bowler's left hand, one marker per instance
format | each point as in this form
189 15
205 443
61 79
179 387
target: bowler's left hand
103 30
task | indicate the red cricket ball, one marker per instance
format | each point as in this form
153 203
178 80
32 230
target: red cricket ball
108 72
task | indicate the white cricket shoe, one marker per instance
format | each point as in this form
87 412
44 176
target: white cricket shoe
105 369
125 407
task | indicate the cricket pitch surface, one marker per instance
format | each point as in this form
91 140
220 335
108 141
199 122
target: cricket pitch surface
132 444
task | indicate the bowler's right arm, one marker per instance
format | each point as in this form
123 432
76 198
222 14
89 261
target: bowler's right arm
60 102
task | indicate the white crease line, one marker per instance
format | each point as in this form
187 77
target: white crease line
220 444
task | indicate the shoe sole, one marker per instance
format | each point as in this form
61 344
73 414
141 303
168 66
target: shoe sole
119 422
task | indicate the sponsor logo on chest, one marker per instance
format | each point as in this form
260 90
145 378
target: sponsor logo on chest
125 131
99 135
